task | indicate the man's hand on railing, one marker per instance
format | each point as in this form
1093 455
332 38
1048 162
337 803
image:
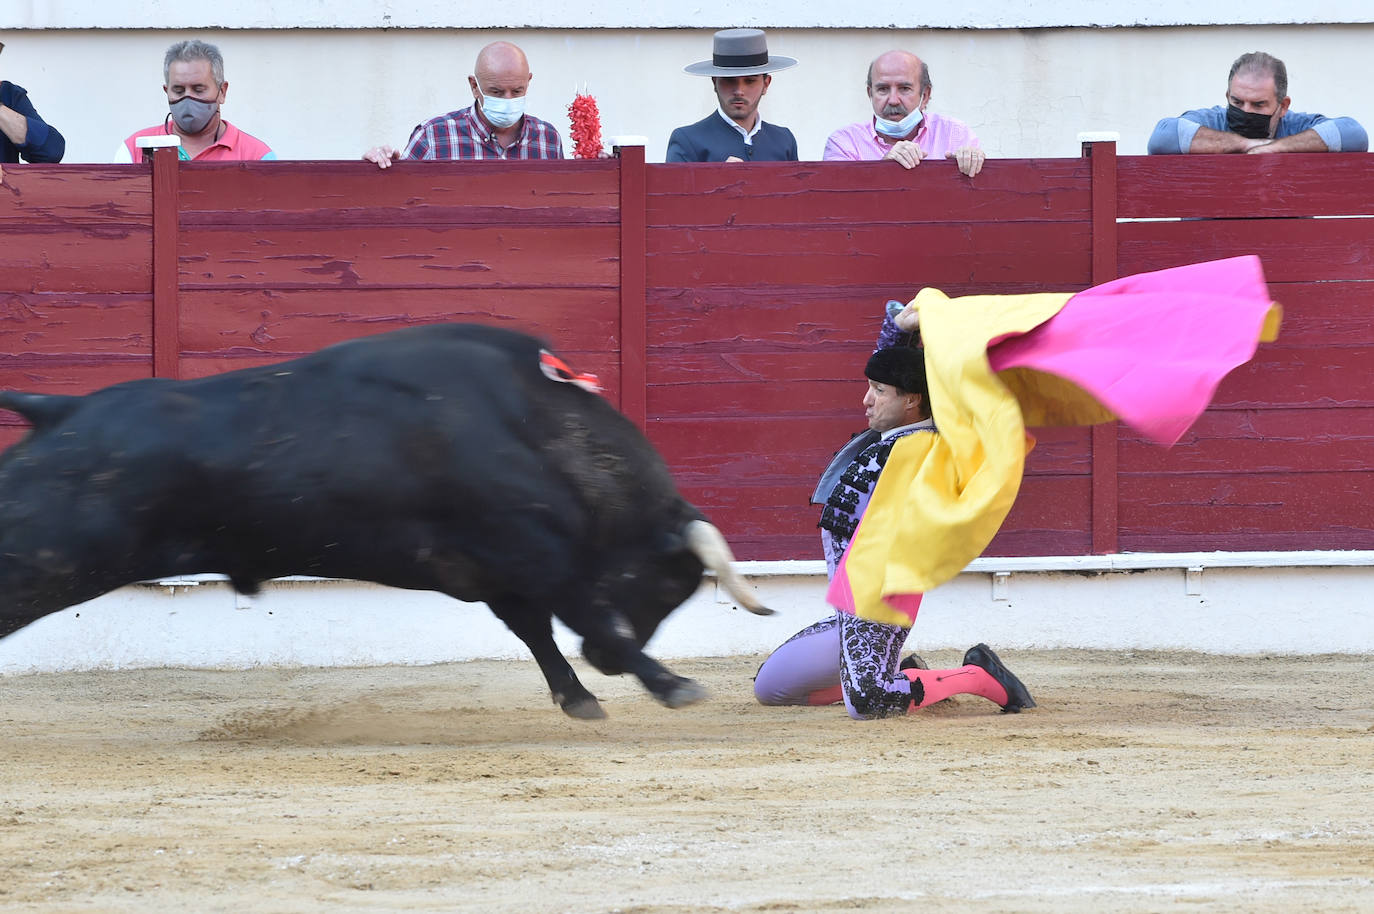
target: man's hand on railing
970 159
905 153
1307 141
382 156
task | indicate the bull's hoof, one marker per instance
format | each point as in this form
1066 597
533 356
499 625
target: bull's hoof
683 693
585 709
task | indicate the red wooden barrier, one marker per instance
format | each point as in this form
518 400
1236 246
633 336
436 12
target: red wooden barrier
765 290
75 279
729 309
1282 461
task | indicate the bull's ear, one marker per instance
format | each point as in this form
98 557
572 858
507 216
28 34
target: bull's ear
42 410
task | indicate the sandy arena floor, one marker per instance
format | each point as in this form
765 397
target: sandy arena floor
1143 782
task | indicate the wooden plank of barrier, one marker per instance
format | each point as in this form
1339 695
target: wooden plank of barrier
1293 250
938 253
349 194
633 335
1329 312
291 322
115 196
76 325
1104 436
1319 377
166 308
731 447
866 193
1252 511
1246 187
1250 441
59 259
455 257
73 374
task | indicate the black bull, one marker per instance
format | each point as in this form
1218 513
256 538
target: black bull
433 458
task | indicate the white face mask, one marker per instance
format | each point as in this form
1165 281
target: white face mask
898 129
502 112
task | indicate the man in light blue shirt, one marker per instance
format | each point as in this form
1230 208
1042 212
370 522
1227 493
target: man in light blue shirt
1256 119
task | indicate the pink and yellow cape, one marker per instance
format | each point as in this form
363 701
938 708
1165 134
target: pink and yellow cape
1149 350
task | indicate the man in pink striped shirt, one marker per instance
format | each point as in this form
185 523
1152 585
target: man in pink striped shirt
901 130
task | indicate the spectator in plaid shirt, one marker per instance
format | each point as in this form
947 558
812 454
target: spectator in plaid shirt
494 127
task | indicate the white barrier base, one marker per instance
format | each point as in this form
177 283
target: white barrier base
1226 603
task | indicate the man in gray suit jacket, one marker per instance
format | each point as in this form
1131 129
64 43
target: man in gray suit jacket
740 69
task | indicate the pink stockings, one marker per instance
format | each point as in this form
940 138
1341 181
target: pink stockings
854 660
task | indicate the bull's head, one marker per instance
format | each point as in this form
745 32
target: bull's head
638 600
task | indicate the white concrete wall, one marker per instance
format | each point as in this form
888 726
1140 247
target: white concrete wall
329 93
660 14
1221 609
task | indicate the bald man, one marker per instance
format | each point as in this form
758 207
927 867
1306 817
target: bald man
901 129
494 127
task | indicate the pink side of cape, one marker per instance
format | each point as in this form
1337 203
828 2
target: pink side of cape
1152 348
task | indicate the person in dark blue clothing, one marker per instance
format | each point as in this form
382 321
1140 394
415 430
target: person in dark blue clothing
740 69
22 132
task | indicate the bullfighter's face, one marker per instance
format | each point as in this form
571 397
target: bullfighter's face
889 407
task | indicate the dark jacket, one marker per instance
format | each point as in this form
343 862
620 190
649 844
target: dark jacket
712 140
43 143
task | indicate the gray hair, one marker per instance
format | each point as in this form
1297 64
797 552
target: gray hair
194 49
925 75
1260 62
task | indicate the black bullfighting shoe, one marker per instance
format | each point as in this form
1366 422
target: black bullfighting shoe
912 662
1018 698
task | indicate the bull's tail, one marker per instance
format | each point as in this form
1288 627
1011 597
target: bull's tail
709 545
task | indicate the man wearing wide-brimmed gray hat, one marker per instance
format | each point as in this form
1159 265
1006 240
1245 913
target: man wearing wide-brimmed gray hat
740 69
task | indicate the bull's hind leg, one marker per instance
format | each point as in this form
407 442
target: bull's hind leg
535 628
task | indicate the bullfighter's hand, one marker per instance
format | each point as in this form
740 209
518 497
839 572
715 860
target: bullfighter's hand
970 159
908 319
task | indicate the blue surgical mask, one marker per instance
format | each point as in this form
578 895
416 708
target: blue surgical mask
898 129
503 112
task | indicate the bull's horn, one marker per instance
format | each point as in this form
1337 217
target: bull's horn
709 545
42 410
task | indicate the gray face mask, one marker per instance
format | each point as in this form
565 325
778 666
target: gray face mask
191 114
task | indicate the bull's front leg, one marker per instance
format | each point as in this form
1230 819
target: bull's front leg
612 649
535 628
